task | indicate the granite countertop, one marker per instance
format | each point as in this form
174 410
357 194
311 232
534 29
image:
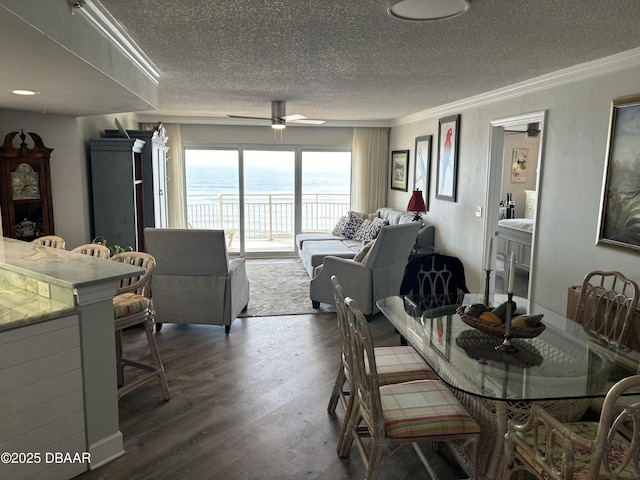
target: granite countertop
40 283
19 307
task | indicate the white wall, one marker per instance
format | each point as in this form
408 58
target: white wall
575 142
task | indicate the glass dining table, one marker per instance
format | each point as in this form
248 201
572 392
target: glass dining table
565 368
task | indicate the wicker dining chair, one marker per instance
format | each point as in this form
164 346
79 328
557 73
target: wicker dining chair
550 449
132 306
607 304
400 414
93 250
394 364
53 241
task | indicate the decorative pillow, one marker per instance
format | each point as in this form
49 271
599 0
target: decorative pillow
369 229
363 251
352 225
338 230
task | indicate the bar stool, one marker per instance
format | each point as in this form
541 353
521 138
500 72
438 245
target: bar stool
53 241
132 306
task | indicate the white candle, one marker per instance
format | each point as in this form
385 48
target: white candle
512 272
489 253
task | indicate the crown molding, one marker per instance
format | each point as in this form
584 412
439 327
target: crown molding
583 71
105 23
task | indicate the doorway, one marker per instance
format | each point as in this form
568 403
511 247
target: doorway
513 196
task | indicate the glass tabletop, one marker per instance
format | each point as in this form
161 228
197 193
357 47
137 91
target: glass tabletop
565 361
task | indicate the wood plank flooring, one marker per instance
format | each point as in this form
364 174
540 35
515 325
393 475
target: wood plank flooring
250 405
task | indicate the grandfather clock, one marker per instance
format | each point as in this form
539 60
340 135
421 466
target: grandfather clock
25 198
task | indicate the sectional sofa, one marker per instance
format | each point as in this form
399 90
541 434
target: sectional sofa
313 247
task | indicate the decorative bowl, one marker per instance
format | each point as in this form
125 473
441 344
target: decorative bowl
498 330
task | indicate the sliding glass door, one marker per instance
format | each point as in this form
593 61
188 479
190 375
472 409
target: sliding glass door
263 197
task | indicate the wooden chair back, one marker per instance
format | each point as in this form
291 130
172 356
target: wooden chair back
93 250
607 303
52 241
138 284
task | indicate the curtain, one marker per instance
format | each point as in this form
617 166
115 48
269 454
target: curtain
370 151
176 196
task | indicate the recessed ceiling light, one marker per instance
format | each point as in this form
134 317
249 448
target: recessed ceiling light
24 92
426 10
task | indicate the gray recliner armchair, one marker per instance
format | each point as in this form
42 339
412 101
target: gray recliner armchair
378 275
194 281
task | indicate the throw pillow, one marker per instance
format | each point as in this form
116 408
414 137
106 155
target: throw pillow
338 230
352 225
369 229
363 251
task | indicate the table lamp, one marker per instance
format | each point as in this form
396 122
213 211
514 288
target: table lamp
416 205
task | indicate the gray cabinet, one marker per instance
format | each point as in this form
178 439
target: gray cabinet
154 174
117 190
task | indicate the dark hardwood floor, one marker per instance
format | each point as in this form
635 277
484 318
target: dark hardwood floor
250 405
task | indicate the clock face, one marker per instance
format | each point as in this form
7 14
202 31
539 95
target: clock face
25 183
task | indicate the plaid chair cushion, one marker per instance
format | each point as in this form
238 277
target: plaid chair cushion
423 408
128 304
401 364
583 457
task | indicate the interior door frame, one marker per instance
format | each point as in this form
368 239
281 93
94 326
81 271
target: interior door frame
494 184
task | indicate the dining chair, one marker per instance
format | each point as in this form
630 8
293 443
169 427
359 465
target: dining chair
93 250
436 279
606 305
400 414
394 364
53 241
550 449
132 306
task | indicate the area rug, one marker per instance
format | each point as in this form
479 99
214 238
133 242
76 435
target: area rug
279 288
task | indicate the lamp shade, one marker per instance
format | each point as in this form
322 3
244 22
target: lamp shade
416 204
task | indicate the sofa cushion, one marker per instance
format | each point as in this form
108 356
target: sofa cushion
369 229
314 252
363 251
352 225
339 228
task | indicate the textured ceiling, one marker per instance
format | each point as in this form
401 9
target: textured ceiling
348 60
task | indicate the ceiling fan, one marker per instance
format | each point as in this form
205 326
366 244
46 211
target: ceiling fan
279 117
532 131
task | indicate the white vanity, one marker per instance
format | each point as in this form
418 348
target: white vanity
58 393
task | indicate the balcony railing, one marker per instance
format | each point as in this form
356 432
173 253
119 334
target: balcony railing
267 216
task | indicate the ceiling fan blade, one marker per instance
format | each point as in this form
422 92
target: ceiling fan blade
293 118
249 118
307 121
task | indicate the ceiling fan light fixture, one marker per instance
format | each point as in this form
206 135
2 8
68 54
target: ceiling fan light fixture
278 124
427 10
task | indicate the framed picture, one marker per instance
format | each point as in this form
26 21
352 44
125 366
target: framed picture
400 170
519 165
440 335
423 167
448 141
619 222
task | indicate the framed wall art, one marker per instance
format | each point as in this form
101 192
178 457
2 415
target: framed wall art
423 167
448 141
619 222
519 165
400 170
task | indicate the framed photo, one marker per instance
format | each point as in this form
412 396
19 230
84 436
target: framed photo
519 165
619 222
440 335
448 141
423 167
400 170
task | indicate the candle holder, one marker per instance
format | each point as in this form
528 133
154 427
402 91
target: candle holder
487 281
506 345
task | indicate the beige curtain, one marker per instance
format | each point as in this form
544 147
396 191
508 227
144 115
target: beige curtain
370 160
176 196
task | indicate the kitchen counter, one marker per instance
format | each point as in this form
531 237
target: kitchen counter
58 381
